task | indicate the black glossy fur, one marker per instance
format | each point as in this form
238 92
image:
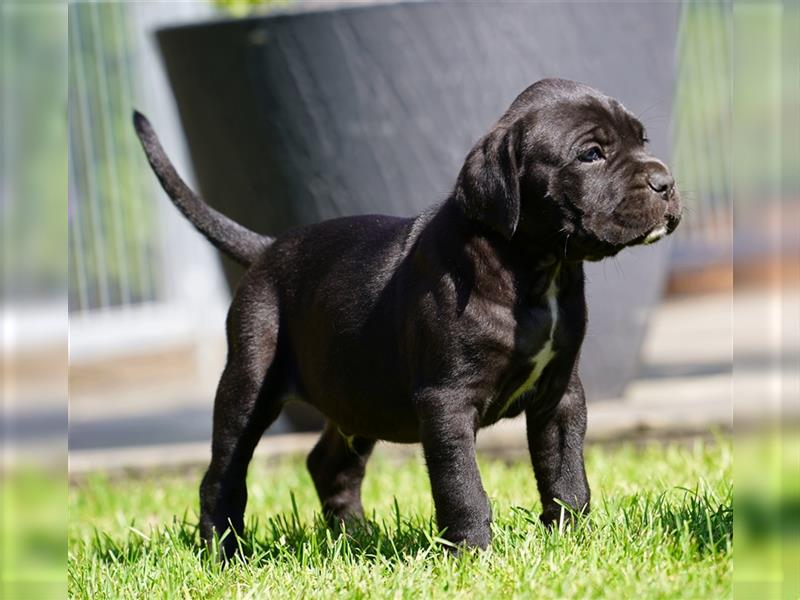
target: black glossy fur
427 329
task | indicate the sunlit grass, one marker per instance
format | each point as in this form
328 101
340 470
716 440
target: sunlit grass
661 526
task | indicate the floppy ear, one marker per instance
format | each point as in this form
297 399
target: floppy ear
487 189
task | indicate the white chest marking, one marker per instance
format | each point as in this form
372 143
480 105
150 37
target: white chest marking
541 359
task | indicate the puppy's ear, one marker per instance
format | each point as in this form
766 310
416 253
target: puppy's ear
487 189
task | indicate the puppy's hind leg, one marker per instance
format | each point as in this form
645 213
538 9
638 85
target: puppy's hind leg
337 465
248 400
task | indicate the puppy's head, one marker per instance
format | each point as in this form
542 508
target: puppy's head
567 169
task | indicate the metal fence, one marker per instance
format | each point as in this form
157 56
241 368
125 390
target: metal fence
702 145
135 265
114 235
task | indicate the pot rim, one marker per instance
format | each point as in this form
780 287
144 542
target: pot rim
296 11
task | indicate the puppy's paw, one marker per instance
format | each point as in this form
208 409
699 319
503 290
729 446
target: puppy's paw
220 540
342 513
561 516
350 523
474 537
222 549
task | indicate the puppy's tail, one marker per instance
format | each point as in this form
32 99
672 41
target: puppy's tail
238 242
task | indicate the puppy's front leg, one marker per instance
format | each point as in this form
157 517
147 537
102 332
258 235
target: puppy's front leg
447 430
556 447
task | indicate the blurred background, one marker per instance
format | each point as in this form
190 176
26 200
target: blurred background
147 296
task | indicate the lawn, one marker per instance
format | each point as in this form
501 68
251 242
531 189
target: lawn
661 527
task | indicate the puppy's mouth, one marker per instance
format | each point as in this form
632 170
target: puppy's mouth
650 237
595 240
655 233
595 249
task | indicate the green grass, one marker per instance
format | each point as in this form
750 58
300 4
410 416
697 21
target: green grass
661 527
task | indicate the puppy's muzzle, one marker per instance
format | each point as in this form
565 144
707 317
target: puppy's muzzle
662 184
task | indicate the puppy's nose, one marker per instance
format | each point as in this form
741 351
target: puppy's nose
660 181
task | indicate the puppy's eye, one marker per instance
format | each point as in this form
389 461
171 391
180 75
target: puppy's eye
645 140
592 154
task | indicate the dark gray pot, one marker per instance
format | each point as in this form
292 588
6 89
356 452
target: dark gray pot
303 116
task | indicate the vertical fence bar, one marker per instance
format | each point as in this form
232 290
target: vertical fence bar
702 137
111 202
82 110
76 238
144 269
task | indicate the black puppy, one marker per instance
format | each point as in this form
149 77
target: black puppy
427 329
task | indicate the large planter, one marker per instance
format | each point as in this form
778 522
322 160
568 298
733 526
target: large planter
307 115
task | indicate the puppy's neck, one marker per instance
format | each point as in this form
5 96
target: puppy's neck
520 268
539 281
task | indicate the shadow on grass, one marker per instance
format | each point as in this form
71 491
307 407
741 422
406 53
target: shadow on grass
282 537
697 521
286 536
706 519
